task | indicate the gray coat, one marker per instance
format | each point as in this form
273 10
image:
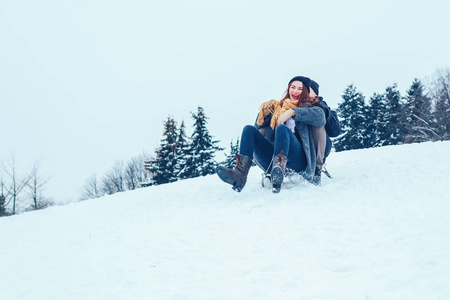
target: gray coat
304 118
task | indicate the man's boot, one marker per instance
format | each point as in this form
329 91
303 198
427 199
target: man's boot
278 171
317 180
237 176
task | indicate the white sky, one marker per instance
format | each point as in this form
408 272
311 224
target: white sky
85 83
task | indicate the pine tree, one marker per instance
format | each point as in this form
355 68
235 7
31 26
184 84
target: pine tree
352 110
376 120
184 154
2 202
230 160
163 166
202 148
395 127
419 126
2 205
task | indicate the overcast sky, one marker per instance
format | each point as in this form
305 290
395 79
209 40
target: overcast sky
86 83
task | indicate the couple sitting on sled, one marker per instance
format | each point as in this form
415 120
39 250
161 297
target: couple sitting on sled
293 133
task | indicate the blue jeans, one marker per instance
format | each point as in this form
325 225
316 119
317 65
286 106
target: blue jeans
255 145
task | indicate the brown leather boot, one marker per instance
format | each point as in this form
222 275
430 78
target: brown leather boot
237 176
278 171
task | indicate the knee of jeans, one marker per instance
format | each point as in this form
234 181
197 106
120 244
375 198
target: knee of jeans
282 128
249 129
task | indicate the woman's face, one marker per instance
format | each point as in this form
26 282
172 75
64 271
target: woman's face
295 90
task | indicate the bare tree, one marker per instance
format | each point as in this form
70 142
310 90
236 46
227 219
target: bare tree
36 186
439 89
135 172
16 184
417 114
113 182
443 103
91 188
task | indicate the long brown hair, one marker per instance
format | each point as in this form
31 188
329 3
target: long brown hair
304 96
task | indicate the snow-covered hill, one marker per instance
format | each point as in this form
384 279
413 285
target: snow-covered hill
380 229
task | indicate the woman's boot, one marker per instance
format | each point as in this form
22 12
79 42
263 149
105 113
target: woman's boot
237 176
278 171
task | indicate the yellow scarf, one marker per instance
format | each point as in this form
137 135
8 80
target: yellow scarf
276 110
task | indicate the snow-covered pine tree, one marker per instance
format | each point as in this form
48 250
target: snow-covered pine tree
2 203
352 112
230 160
2 206
419 124
395 127
184 154
376 120
163 166
203 148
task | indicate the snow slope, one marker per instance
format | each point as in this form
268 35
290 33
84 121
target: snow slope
379 229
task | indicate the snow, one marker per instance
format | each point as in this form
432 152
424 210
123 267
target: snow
378 230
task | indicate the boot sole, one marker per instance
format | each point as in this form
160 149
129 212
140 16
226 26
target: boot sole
225 178
277 179
277 176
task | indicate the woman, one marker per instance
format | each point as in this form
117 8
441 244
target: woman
280 139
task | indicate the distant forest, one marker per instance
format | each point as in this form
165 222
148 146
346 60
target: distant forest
390 118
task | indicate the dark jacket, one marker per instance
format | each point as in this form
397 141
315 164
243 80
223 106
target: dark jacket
332 127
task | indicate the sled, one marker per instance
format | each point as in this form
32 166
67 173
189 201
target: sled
266 179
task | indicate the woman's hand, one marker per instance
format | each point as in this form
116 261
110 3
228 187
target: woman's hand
268 107
286 116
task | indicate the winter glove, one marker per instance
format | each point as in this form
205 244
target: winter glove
286 116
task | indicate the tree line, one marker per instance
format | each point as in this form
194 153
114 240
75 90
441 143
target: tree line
422 114
388 118
178 157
